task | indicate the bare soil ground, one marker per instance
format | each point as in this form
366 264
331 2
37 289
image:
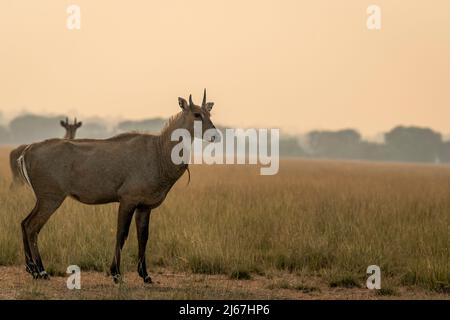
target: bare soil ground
15 283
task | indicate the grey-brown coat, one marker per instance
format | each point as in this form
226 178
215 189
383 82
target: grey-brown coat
133 169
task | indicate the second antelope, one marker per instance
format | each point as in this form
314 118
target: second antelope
71 130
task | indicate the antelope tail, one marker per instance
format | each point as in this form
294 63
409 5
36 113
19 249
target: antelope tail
22 165
189 175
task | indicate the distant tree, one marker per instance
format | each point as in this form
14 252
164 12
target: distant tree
94 130
30 128
413 144
335 144
444 155
289 146
372 151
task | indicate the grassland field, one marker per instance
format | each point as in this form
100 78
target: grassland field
308 232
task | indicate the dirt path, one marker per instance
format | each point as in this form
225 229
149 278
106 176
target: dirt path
16 284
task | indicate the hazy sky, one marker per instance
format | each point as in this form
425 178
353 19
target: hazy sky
298 65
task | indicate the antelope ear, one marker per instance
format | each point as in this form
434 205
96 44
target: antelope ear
63 124
79 124
183 104
209 106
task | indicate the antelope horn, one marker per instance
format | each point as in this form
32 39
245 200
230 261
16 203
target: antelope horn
190 100
75 121
67 120
204 98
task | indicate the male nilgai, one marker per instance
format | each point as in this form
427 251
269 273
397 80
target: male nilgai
133 169
71 130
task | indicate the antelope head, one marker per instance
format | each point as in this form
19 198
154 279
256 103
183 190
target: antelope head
71 129
193 114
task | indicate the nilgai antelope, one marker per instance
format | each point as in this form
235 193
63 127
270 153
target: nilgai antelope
71 130
133 169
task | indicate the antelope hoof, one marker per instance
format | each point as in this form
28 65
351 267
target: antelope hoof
40 275
44 275
117 278
147 279
30 269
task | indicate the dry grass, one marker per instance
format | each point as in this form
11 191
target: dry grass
321 219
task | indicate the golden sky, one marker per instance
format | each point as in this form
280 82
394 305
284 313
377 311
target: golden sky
297 65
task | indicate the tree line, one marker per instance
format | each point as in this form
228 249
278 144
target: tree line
406 144
29 128
411 144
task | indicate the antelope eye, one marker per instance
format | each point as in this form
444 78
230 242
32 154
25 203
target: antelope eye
198 115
